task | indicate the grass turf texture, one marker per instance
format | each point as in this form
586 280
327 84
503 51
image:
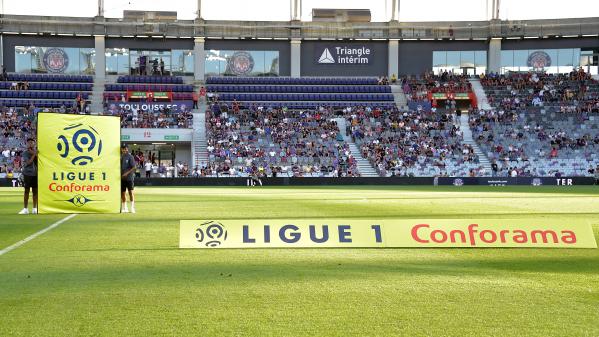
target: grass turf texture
123 275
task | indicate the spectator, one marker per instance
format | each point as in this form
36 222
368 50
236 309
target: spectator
148 169
194 97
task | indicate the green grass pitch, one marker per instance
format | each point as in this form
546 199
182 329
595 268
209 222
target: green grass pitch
123 274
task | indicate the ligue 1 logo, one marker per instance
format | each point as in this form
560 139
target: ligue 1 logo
241 63
83 143
56 60
79 200
211 233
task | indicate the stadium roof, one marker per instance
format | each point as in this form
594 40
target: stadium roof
279 10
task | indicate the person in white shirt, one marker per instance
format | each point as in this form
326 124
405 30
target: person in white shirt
148 167
179 168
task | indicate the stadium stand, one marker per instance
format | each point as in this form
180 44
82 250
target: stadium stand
140 117
538 144
302 93
16 128
169 84
413 143
275 142
162 119
419 89
541 124
573 92
45 91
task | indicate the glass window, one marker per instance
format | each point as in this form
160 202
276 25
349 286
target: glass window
439 61
117 61
480 61
548 60
271 63
87 61
551 67
467 59
189 62
23 58
241 63
565 60
453 61
520 60
177 62
259 64
55 60
565 57
475 61
224 61
576 57
123 63
507 61
480 58
111 63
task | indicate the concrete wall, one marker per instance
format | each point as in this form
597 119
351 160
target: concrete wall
283 47
149 43
585 42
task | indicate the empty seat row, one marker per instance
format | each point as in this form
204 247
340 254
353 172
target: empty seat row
52 86
291 80
302 88
37 103
150 79
149 87
305 97
50 78
43 94
116 96
315 105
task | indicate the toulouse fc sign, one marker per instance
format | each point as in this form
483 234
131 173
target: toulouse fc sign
343 54
175 106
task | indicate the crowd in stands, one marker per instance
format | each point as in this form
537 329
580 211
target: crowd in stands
417 88
275 142
533 144
412 143
572 92
16 127
164 118
539 125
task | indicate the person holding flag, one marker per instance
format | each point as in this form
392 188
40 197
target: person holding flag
127 176
29 173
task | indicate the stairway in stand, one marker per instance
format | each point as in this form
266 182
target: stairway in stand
399 97
364 166
481 96
468 139
199 145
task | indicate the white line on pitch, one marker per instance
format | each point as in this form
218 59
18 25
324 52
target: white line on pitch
35 235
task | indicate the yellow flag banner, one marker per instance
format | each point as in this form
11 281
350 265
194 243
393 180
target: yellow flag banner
78 163
419 233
